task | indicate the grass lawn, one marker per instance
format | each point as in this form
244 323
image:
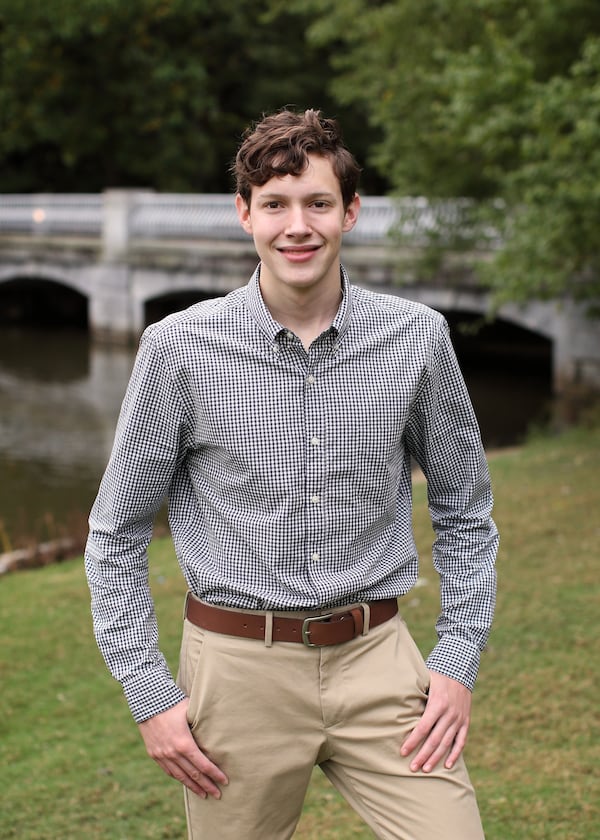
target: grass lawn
72 764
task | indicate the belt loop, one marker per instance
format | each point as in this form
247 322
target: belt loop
269 629
367 618
185 604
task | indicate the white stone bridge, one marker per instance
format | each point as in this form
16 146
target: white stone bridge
123 250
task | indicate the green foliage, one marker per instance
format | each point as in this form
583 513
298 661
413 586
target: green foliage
493 100
543 155
496 101
153 93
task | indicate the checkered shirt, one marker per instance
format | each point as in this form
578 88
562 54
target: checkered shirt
288 475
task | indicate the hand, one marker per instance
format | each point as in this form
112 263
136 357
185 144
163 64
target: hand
442 730
169 742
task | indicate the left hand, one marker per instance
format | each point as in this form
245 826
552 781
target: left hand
442 731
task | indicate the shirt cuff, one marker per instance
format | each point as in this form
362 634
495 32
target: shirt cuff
454 657
151 693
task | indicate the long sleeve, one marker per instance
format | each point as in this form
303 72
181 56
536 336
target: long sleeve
147 447
443 436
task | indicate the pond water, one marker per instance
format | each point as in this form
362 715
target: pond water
59 401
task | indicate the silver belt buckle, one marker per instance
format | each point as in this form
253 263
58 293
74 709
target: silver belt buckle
306 628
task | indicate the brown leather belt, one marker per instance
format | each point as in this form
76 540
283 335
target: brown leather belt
328 628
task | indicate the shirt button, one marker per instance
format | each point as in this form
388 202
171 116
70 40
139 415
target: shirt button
310 379
315 441
315 499
315 557
289 335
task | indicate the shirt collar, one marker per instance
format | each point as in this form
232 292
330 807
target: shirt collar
271 328
341 322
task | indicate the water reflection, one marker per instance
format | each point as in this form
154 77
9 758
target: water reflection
59 402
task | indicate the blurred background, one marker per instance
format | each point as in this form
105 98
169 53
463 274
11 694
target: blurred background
478 122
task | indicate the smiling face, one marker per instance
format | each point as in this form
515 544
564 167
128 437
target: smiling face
297 222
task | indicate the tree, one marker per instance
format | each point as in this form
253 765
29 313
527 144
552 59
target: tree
497 101
151 93
91 95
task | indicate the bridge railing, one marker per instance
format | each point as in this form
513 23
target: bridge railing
46 214
149 215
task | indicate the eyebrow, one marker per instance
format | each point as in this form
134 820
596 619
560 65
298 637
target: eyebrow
311 197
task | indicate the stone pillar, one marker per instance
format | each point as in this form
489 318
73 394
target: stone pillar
110 305
576 361
111 313
116 224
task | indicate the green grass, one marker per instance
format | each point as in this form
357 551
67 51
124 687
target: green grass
72 764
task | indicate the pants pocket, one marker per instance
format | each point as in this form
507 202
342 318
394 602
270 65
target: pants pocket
423 677
189 675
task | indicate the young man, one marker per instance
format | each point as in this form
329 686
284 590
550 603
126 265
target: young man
281 421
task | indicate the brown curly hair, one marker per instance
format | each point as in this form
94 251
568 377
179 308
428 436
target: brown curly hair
279 145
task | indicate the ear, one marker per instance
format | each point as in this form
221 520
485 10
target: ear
243 212
351 214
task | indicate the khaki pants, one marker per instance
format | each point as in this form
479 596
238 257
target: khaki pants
267 715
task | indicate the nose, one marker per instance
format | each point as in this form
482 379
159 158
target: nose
296 223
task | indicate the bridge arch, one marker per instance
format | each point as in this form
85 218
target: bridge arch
541 318
156 308
43 301
76 277
508 364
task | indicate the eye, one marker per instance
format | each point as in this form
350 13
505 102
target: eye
272 205
320 204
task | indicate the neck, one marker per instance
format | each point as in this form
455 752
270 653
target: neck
306 312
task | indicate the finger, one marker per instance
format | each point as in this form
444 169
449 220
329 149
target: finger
179 775
457 748
419 734
189 775
206 775
190 766
430 761
445 743
434 748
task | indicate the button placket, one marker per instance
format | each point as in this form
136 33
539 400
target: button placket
315 467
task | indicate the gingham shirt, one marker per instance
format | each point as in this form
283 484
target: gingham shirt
289 476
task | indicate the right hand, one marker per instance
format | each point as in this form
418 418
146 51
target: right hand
169 742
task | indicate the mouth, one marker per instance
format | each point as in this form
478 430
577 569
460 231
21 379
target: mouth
298 253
